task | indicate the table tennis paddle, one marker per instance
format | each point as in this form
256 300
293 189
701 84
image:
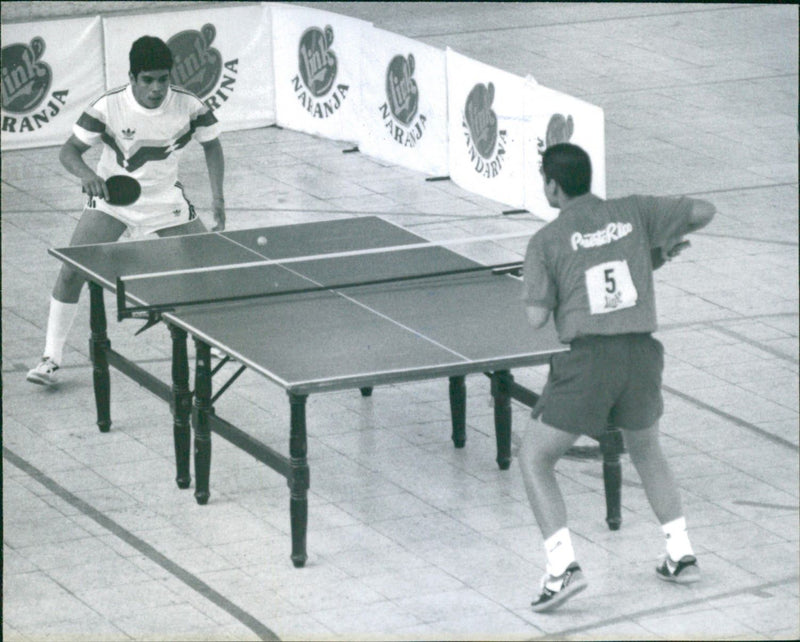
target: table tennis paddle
122 190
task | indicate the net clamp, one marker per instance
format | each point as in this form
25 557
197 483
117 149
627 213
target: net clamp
124 311
153 317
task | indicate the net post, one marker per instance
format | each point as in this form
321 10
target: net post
122 312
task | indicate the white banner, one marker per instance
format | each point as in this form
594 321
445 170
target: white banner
223 55
487 129
51 72
404 101
553 118
317 66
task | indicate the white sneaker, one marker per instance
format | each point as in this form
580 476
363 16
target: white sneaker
44 374
557 590
684 571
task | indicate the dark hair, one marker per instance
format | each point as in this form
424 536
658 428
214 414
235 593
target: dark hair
569 166
149 54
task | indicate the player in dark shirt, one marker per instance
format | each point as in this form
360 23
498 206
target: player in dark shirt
592 268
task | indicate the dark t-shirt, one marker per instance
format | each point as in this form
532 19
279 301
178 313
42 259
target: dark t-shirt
591 266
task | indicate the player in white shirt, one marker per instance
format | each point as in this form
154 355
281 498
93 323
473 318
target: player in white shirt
143 128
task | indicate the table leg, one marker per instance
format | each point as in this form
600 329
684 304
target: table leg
501 392
202 428
181 407
611 445
458 410
98 344
299 481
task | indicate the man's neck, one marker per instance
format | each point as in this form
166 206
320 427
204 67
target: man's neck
565 201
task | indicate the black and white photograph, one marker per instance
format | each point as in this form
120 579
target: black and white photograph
399 321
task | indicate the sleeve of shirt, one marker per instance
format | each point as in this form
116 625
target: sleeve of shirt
665 218
91 124
539 288
204 124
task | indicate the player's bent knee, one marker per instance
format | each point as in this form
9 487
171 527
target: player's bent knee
544 445
68 286
643 444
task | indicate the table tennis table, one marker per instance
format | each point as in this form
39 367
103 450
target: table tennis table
354 321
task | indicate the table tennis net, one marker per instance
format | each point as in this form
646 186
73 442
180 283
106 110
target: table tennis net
143 295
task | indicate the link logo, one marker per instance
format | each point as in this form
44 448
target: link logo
399 112
314 86
485 141
559 130
26 81
198 67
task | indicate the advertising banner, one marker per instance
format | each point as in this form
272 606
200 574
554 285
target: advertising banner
487 129
51 72
317 67
554 117
223 55
404 100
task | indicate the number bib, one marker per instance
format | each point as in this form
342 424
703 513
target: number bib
610 287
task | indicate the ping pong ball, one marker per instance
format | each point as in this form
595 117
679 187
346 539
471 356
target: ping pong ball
261 240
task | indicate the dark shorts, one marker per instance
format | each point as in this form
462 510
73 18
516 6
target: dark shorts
604 381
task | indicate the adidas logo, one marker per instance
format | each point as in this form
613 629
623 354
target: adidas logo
128 133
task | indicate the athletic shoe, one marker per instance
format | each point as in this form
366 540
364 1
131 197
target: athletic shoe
684 571
45 373
569 583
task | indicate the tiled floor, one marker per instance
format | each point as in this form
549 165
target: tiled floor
410 538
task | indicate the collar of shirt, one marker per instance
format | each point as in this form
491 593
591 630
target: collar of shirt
578 201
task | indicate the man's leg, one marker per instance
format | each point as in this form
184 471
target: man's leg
93 227
644 447
540 450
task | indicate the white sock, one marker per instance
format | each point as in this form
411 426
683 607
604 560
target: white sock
560 553
58 326
678 543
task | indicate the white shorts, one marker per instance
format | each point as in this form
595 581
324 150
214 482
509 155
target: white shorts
149 214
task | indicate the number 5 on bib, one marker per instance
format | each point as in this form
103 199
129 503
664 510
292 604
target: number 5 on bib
610 287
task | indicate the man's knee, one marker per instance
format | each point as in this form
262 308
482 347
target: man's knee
68 285
542 445
643 444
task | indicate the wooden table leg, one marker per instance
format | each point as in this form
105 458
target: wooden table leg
299 481
181 407
612 445
501 392
202 428
458 410
98 344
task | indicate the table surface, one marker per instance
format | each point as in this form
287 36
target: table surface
329 339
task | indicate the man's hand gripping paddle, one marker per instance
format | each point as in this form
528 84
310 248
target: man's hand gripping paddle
660 255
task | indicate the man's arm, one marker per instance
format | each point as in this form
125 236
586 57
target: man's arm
537 316
701 214
215 161
71 157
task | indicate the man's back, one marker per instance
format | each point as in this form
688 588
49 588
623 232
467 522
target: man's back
592 265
